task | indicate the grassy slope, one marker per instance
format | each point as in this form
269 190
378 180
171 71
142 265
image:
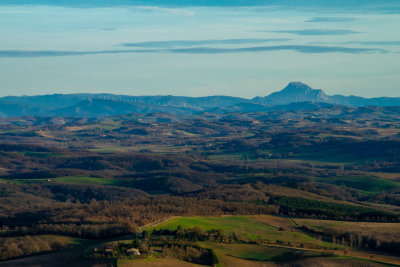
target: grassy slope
259 252
366 183
243 226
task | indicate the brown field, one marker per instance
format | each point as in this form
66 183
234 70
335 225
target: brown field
362 255
167 262
386 175
236 262
291 192
387 259
387 231
325 262
230 261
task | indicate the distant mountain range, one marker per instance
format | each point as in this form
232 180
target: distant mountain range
295 96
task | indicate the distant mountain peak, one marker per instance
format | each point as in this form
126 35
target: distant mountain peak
294 92
297 87
300 88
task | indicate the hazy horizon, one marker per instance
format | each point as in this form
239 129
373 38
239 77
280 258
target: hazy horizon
144 95
199 49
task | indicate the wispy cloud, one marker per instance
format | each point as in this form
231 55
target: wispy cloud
363 43
167 10
108 29
180 43
298 48
318 32
385 43
55 53
309 49
330 19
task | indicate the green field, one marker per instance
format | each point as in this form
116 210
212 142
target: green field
245 227
85 180
43 155
184 133
154 148
346 159
110 149
235 156
371 184
68 180
259 252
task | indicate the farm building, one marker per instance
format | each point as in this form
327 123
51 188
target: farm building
108 250
133 252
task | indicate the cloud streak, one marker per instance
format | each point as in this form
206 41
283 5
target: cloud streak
385 43
55 53
362 43
330 19
308 49
108 29
178 43
318 32
167 10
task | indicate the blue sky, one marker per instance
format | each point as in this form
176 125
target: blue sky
198 48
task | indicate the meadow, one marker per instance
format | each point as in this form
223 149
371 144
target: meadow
245 227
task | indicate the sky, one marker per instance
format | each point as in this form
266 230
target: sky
199 48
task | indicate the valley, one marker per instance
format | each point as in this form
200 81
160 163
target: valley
278 188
